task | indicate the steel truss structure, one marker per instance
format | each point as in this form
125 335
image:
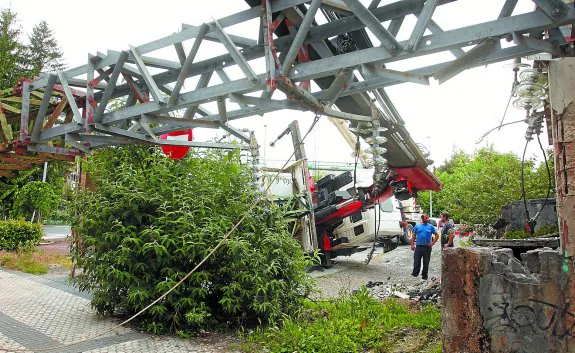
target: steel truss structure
296 41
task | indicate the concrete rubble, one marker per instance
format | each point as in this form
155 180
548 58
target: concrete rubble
423 292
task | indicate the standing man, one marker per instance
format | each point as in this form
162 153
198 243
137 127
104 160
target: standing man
447 231
421 244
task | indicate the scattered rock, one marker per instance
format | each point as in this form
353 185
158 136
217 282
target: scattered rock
423 292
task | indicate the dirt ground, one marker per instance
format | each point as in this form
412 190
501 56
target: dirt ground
350 272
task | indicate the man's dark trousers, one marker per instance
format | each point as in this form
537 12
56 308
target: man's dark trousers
421 251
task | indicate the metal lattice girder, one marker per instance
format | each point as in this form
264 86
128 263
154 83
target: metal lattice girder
168 90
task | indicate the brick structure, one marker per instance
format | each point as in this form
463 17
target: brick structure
493 302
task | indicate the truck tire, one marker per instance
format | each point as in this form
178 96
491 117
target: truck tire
406 236
325 259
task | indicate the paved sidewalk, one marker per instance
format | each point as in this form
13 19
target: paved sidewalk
47 314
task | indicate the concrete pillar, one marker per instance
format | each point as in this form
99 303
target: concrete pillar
562 97
493 302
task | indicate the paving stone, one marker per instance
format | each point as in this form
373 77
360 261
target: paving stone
37 313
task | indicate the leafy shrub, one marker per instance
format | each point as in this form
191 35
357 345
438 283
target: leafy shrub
35 196
542 231
149 220
357 323
19 234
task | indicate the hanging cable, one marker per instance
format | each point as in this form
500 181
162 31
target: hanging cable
222 241
357 147
505 111
376 210
523 182
549 184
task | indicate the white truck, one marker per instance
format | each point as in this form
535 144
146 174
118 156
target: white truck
382 221
411 215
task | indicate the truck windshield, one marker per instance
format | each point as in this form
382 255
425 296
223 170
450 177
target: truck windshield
386 206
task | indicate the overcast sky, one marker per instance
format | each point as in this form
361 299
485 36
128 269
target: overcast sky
453 115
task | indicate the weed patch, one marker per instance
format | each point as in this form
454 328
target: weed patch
34 262
357 323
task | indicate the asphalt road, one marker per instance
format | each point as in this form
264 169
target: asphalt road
56 232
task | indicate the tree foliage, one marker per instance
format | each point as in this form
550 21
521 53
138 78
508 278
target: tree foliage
43 53
11 50
149 220
20 60
10 187
475 187
35 196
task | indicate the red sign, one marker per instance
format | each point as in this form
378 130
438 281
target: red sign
176 152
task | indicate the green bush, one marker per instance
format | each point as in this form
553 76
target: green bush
19 234
149 220
357 323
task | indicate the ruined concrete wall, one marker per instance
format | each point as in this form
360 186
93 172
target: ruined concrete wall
514 213
492 302
562 97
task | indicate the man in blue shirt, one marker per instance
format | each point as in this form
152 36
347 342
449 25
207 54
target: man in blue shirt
421 243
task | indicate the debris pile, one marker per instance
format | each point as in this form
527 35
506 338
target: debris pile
423 292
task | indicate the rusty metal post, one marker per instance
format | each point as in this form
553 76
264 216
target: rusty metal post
562 96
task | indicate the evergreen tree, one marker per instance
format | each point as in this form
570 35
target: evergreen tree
11 50
43 53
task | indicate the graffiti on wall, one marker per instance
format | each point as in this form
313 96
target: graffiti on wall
536 315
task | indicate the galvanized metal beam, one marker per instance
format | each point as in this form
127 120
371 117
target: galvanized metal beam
222 110
43 110
387 40
372 70
507 9
152 86
464 62
240 41
235 53
555 9
395 25
235 132
71 98
265 103
54 150
71 140
300 37
324 66
338 85
421 24
202 83
539 45
148 129
437 42
180 52
434 28
225 79
111 85
179 122
188 64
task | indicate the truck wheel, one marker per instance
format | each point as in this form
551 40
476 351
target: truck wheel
325 258
406 236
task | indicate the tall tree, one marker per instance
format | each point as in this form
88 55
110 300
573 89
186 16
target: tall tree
475 187
43 53
11 50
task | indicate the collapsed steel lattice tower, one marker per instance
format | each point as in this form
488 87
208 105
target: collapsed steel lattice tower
325 41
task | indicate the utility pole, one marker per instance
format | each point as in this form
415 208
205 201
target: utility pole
430 192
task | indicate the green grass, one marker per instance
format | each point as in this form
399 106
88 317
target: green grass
356 323
34 262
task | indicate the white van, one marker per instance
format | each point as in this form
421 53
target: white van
361 227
